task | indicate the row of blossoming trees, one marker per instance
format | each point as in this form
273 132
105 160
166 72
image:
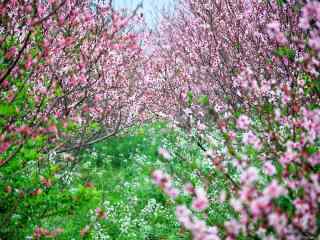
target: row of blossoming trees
72 72
251 70
69 73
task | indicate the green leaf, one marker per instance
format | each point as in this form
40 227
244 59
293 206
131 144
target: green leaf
203 100
312 149
189 97
281 2
238 113
313 106
237 46
38 36
293 169
268 108
285 52
285 204
94 126
30 154
58 91
7 110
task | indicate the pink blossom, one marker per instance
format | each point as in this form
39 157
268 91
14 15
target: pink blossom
250 175
278 221
200 202
28 63
314 42
274 190
288 157
163 180
101 214
5 84
232 135
243 122
164 153
212 234
11 53
269 168
259 205
233 227
29 8
182 211
189 189
252 139
236 204
201 126
274 32
310 12
172 192
314 159
199 226
160 178
184 216
4 146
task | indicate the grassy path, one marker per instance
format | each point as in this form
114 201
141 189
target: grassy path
115 176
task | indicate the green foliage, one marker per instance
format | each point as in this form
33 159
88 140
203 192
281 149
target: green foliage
312 86
281 3
189 97
285 52
118 171
268 108
7 110
203 100
285 204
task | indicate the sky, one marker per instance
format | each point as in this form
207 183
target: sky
151 8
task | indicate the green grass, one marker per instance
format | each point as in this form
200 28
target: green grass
120 169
